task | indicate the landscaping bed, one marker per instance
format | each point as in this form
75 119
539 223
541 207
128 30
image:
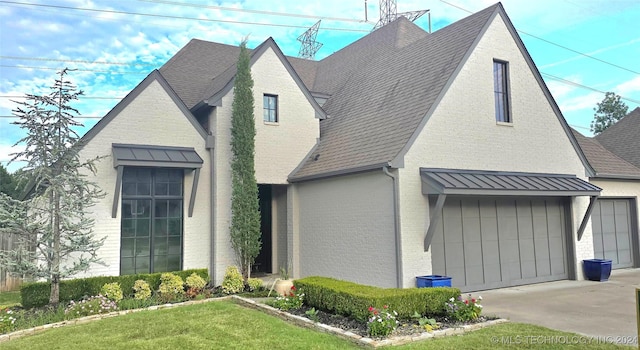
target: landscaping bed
409 327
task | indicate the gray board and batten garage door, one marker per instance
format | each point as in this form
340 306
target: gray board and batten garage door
492 229
500 242
611 224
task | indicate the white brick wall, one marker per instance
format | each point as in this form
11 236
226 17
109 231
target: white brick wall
462 133
279 148
151 119
347 228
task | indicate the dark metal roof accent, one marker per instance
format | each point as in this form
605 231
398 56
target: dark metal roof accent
155 156
495 183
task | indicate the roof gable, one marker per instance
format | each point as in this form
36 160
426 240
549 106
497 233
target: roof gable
153 76
223 83
623 138
384 105
380 106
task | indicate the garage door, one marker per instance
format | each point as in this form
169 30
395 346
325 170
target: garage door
485 243
611 223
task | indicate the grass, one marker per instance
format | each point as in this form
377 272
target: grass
512 336
224 324
8 299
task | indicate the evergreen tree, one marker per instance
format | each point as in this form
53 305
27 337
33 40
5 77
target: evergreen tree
608 112
245 219
55 237
8 183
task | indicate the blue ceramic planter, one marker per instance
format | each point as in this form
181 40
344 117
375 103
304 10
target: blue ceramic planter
597 269
433 281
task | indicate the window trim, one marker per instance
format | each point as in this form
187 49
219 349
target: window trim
505 110
276 109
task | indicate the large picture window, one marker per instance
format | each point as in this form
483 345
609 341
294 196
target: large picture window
152 214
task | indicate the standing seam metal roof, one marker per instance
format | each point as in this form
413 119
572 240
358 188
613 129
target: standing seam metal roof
455 181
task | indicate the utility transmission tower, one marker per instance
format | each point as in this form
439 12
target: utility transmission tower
389 13
309 45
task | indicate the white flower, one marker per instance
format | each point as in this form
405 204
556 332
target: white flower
478 305
479 297
451 300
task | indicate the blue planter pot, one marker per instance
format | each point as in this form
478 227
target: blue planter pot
433 281
597 269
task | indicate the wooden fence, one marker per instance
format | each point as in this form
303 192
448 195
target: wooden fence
8 282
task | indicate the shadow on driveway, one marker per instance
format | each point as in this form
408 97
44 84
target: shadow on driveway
597 309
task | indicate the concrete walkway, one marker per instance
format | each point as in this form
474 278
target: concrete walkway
597 309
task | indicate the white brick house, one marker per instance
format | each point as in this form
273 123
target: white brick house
404 154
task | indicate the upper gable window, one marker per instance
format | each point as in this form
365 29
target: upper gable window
501 91
270 108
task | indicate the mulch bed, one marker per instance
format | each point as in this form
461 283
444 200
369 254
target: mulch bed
406 327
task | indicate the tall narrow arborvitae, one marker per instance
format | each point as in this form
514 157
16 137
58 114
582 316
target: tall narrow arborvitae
245 219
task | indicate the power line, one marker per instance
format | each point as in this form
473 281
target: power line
261 12
75 61
83 97
175 17
555 44
76 117
573 83
75 69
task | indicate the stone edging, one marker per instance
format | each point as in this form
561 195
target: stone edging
87 319
399 340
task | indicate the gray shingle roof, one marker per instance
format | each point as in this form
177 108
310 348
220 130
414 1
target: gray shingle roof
381 103
602 160
623 138
191 71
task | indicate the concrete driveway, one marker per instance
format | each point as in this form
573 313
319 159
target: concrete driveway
597 309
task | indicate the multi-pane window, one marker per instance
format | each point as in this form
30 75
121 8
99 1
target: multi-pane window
151 226
270 108
501 91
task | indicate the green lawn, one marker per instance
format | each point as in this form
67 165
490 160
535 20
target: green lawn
9 299
225 325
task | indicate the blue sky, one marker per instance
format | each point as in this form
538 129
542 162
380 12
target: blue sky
114 44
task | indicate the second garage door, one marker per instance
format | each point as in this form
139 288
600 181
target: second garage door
485 243
611 223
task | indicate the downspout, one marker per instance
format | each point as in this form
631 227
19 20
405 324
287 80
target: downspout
396 226
212 203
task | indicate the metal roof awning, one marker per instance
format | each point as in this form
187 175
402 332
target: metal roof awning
444 182
494 183
157 157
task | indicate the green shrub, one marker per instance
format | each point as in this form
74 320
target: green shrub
254 284
171 287
352 299
90 306
37 294
141 290
112 291
195 281
232 282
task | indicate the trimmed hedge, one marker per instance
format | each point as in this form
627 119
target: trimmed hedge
352 299
37 294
